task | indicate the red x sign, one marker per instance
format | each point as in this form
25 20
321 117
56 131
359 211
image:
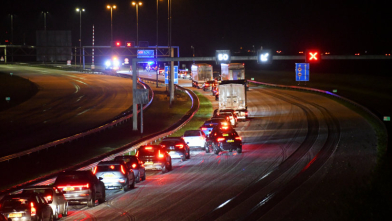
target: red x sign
312 56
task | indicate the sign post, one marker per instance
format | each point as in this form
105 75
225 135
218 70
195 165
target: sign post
141 98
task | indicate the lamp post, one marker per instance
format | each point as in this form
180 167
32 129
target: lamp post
111 7
80 34
137 20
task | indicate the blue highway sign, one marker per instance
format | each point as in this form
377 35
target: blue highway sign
302 71
175 74
167 69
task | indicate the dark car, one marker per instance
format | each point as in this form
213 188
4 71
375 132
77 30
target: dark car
53 196
81 187
176 147
210 124
154 157
224 139
208 85
115 175
136 165
26 206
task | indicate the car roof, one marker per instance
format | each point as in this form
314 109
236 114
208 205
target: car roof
172 138
76 172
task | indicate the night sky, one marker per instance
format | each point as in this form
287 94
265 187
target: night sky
340 27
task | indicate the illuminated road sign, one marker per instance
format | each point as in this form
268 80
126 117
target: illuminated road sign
167 70
222 56
264 56
312 56
302 71
175 74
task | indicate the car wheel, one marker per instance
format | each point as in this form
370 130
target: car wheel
91 202
65 211
216 150
189 155
133 184
127 186
144 176
183 158
170 167
239 150
103 197
207 148
51 218
138 178
164 169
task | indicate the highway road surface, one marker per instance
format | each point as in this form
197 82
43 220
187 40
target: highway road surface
296 152
67 103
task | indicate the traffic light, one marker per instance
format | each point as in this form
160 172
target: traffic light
115 44
118 43
129 44
264 56
222 56
312 56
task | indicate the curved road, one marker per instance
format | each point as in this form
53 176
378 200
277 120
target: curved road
299 150
69 103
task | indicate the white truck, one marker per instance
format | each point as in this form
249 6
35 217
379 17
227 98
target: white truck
200 74
232 71
232 96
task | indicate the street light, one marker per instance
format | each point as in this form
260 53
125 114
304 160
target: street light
80 34
137 20
111 7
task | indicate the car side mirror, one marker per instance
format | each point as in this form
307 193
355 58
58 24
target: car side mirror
100 178
50 201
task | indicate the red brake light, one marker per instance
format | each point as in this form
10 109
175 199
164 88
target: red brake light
238 138
134 165
137 153
33 211
224 128
180 146
246 113
148 148
111 167
48 197
219 139
207 84
159 154
163 146
95 170
204 128
122 169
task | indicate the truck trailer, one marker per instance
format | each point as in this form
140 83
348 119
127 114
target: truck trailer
232 96
233 71
200 74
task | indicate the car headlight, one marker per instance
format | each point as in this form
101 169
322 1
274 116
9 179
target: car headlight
108 63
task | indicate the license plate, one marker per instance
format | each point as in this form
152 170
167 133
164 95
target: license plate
225 135
69 189
148 163
230 141
14 215
108 175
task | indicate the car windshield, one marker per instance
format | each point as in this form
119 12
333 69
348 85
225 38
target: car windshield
191 133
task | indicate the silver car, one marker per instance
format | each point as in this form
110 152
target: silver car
115 175
195 138
55 199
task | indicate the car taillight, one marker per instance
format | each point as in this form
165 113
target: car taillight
238 138
148 148
204 128
122 169
224 123
33 211
207 84
159 154
246 113
137 154
224 128
48 198
72 187
95 170
219 139
163 146
134 165
180 146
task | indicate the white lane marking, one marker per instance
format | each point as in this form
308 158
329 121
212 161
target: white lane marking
83 112
80 98
80 82
77 88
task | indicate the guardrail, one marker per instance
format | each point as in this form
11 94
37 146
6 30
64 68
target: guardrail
324 92
76 136
47 179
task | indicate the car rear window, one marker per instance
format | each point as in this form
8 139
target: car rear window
71 178
147 152
41 191
126 159
105 168
15 202
191 133
230 134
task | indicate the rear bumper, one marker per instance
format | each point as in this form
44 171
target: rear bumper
176 154
230 146
154 166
